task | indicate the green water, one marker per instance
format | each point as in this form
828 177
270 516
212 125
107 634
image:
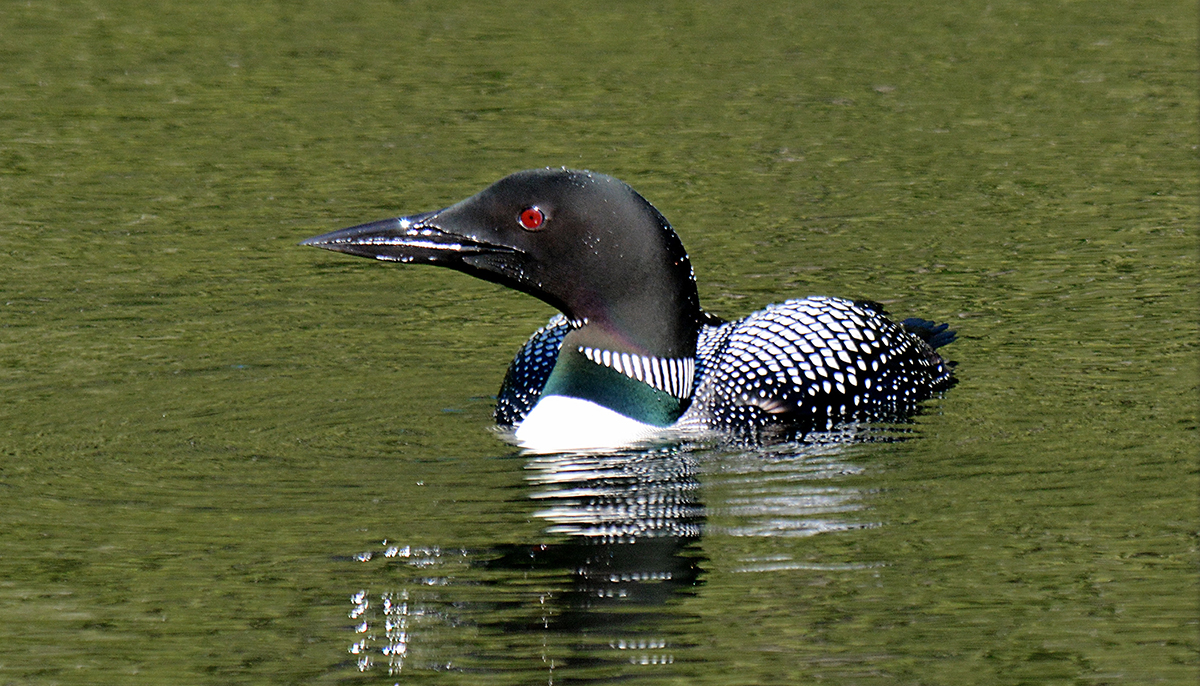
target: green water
227 459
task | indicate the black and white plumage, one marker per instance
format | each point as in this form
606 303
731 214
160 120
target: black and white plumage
799 365
634 358
814 363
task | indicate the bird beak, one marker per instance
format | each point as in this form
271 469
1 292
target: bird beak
415 238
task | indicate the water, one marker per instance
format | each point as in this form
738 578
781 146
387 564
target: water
228 459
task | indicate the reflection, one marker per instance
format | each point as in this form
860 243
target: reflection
619 498
629 521
602 589
789 492
611 586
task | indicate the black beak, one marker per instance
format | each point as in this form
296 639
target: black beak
416 238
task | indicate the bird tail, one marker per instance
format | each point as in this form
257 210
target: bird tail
936 335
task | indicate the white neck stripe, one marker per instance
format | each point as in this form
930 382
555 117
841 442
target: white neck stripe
674 375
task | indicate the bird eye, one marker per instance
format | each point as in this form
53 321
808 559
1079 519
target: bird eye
531 219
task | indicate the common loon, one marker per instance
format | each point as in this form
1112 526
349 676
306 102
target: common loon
633 357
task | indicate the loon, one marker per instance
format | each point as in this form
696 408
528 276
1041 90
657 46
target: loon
633 357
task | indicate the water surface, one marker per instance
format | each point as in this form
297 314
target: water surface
227 459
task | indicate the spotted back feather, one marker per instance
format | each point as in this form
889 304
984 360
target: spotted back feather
802 365
811 364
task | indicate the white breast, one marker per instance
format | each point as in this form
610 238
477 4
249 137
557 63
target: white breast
564 424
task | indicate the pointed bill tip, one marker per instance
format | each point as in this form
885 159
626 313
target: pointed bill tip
373 233
405 239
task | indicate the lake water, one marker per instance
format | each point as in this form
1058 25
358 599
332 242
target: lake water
228 459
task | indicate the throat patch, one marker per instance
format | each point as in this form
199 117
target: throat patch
673 375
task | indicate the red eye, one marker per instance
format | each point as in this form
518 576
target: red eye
531 219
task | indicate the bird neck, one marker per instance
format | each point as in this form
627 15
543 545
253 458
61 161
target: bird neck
596 365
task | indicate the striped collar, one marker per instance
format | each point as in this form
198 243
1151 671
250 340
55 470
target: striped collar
673 375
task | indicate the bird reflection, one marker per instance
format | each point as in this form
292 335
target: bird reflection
608 580
620 545
627 525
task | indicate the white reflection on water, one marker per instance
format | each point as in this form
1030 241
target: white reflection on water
620 551
383 627
789 490
620 497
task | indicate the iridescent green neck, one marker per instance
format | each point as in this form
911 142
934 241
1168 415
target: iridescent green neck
576 376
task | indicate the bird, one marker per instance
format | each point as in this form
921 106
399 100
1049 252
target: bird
632 358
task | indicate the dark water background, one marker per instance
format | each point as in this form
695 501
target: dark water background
227 459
